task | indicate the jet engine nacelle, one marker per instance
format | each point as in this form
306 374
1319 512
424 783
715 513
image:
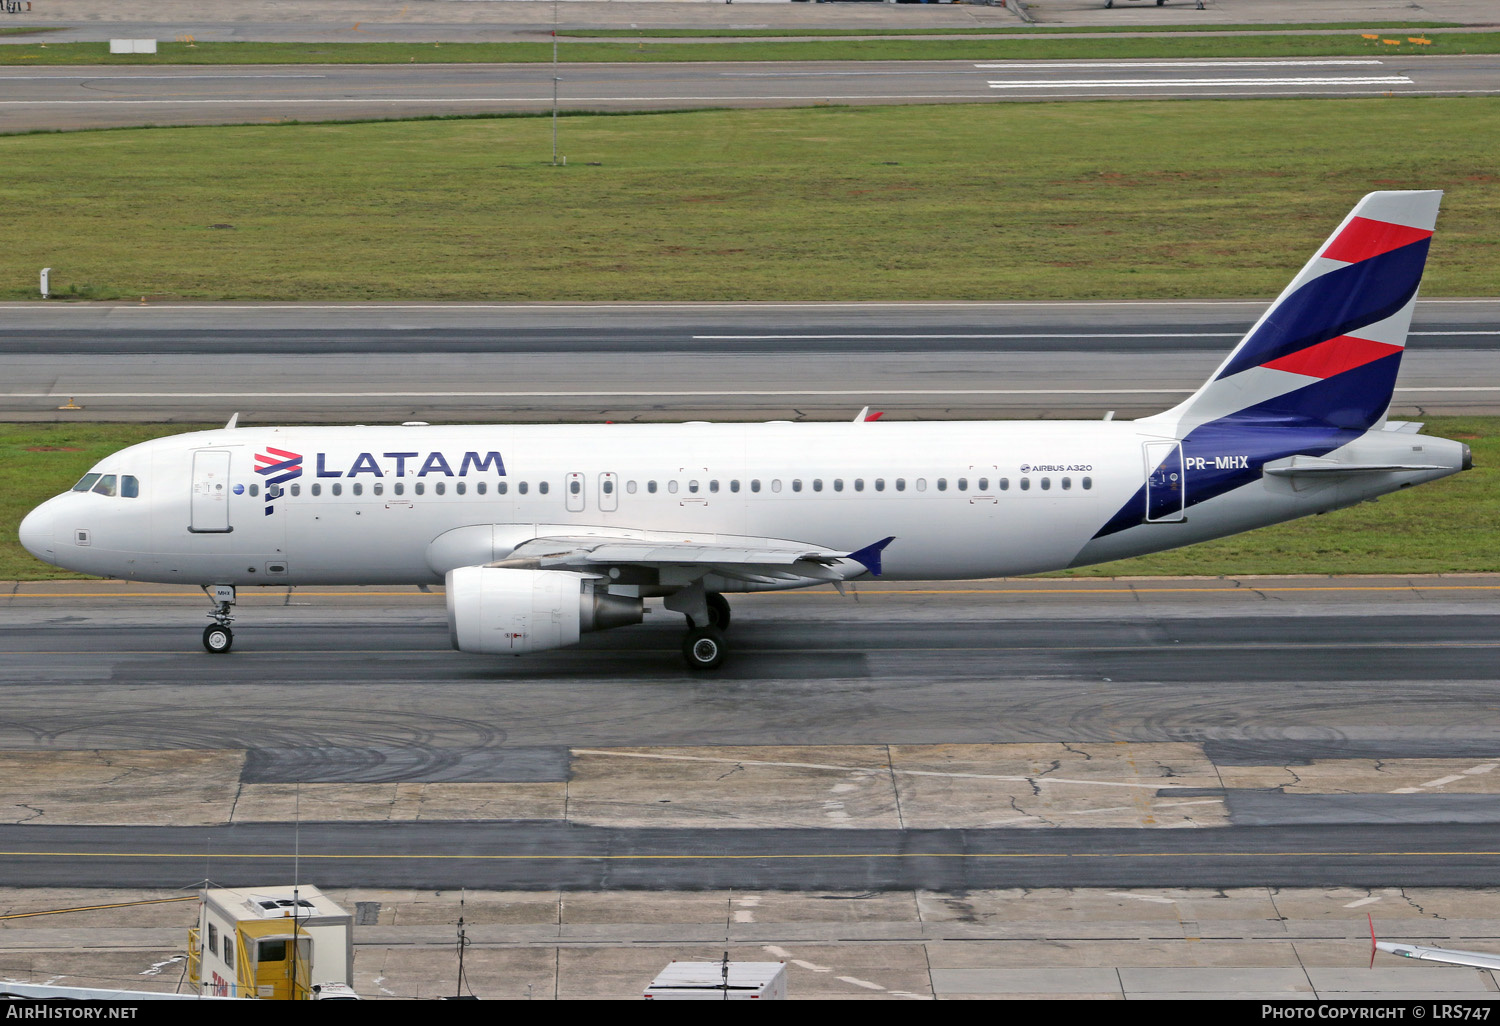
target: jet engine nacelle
496 610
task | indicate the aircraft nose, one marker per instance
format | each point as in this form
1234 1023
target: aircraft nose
35 533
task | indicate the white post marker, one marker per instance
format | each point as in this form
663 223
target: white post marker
45 272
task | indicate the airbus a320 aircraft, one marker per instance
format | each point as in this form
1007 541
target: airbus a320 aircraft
543 533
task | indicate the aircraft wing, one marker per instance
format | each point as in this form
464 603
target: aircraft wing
757 560
1477 959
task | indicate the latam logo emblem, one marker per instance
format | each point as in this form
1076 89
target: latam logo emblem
278 467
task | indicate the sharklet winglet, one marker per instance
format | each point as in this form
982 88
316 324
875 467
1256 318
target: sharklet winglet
869 556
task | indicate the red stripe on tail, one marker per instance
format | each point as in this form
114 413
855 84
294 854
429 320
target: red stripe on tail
1335 356
1363 238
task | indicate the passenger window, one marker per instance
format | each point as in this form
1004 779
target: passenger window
338 489
575 487
129 483
130 488
1088 483
880 484
1025 484
796 484
317 489
521 487
479 489
1004 484
776 484
859 484
420 487
838 484
541 486
86 482
400 488
1067 483
713 486
1046 483
817 484
379 489
106 485
440 487
651 487
500 487
297 490
630 487
672 487
274 491
608 487
963 484
921 484
356 488
734 485
460 488
693 487
983 485
942 484
755 484
900 484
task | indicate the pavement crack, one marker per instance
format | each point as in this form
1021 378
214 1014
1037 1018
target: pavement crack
36 813
1417 905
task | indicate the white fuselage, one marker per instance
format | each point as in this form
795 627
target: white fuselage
366 504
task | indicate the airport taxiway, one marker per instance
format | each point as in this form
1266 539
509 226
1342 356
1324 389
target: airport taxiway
71 97
1104 788
653 361
1037 733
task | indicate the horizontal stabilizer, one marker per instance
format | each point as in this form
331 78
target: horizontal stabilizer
1296 466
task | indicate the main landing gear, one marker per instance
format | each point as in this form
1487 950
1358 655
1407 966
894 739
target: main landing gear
217 637
704 648
707 615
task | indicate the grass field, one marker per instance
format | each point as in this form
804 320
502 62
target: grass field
1450 526
995 201
1048 47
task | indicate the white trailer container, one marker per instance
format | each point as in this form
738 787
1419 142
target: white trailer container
709 981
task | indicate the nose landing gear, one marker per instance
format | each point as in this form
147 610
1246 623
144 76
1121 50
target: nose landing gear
217 637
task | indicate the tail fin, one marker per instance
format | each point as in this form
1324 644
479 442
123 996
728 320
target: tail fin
1327 351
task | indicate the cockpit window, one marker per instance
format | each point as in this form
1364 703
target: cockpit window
106 485
86 482
130 488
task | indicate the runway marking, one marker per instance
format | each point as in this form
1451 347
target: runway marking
1191 83
97 908
841 393
1028 334
119 308
389 100
136 78
762 856
1002 65
1363 901
1025 334
880 770
1143 897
